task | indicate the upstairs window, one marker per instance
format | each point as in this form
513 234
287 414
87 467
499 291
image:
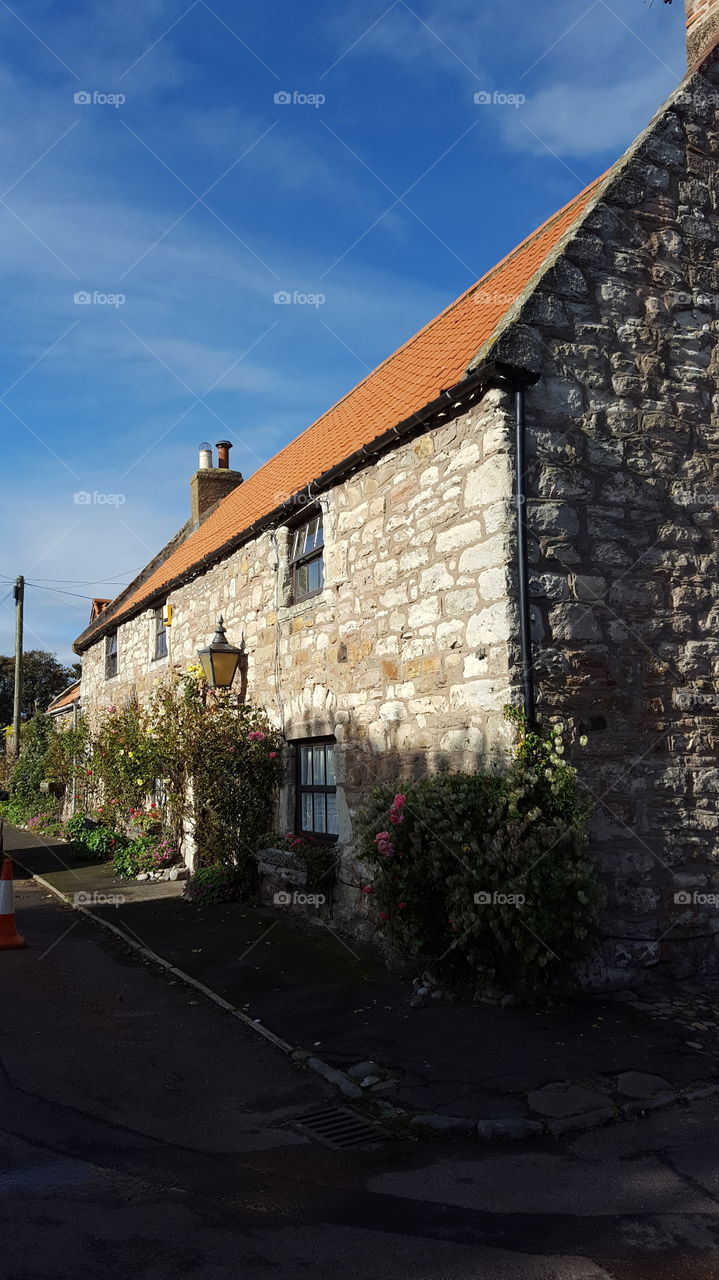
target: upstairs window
160 649
307 559
316 789
111 655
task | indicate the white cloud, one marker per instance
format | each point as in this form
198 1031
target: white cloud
579 120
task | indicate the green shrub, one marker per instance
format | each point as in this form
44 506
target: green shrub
135 858
486 878
216 884
99 841
26 798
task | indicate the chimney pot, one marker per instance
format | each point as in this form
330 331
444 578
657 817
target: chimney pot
205 456
223 453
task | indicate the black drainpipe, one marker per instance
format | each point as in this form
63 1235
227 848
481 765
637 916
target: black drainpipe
518 380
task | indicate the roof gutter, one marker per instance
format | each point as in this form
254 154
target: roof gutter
490 373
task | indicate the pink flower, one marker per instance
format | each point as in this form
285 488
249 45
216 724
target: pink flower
273 755
383 915
384 844
367 888
256 736
396 817
402 906
398 802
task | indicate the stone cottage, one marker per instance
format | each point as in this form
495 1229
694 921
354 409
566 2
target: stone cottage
518 504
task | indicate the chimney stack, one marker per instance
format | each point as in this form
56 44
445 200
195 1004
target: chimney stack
702 28
210 484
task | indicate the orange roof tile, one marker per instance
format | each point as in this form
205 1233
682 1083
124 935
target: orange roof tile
66 698
434 359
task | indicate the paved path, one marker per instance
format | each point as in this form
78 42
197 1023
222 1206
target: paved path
145 1132
322 993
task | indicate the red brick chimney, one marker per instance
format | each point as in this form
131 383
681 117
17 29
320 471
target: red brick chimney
702 27
210 485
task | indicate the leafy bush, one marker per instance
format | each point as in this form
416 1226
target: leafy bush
98 840
215 884
26 798
486 877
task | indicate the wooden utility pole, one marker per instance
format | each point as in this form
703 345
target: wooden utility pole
19 594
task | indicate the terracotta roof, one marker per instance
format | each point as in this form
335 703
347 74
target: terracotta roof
65 699
433 360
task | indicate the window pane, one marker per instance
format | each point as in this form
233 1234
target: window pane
330 758
332 813
302 580
306 766
319 765
313 575
307 812
319 813
319 536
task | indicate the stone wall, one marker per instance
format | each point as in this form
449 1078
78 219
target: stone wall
625 478
405 656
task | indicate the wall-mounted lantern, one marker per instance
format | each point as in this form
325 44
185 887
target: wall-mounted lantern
220 659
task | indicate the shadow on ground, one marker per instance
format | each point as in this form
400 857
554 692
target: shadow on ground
319 991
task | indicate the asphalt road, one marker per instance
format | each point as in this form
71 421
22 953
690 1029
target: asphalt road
145 1132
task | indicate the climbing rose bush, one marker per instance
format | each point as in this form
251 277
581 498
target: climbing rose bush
485 877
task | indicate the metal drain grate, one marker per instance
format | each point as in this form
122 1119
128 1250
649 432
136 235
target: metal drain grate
339 1127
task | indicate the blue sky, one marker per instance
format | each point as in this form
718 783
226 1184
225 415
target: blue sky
200 197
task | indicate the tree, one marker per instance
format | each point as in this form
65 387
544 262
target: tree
43 678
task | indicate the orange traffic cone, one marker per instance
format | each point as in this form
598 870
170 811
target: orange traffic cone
9 936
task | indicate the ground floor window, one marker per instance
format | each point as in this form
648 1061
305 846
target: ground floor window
316 788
